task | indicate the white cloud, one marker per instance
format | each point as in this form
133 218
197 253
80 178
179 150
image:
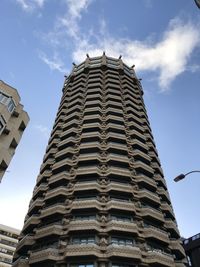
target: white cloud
43 130
166 58
29 5
73 15
169 56
54 64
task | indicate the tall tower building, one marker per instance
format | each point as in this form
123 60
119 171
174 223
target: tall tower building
100 199
13 121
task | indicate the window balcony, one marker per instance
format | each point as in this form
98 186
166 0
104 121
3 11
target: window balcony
31 222
122 226
161 180
77 250
87 185
146 194
163 193
159 258
86 204
49 230
61 190
119 187
167 209
152 232
59 176
147 211
26 241
84 225
121 205
171 226
46 254
119 171
22 261
177 248
54 209
36 204
131 252
40 189
146 168
142 179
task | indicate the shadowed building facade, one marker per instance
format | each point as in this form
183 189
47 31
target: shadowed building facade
100 199
13 121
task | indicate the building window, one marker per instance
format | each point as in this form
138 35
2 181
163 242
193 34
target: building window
8 101
3 98
123 218
11 105
83 240
119 241
2 124
84 217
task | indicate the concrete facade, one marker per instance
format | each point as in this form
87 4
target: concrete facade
13 121
100 199
8 242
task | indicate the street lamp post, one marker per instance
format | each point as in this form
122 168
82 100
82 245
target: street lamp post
182 176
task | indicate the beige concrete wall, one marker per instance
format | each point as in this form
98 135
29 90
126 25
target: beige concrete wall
14 125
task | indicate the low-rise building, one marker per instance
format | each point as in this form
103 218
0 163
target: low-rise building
8 243
13 121
192 250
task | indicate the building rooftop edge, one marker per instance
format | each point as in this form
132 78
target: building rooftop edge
9 229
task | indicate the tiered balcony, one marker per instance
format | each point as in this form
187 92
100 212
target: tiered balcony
156 233
122 226
77 250
121 205
60 176
49 230
61 190
52 210
153 213
84 225
119 187
82 186
86 204
167 209
141 179
130 252
141 165
160 179
162 192
21 262
26 241
61 163
46 254
177 247
146 194
31 221
40 189
36 204
159 258
172 226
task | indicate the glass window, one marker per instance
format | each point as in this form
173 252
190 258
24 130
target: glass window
121 218
82 265
3 98
85 217
11 105
122 241
83 240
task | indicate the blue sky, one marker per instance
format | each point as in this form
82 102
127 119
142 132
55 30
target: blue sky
41 38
